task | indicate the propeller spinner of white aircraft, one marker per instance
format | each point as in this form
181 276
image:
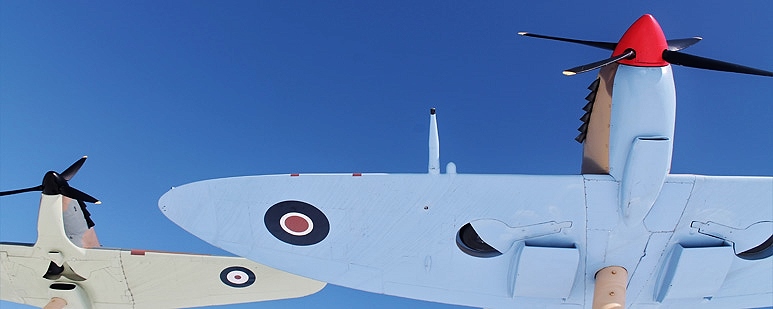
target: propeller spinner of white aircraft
65 268
624 232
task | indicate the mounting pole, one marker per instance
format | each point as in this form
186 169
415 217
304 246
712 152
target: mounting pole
609 292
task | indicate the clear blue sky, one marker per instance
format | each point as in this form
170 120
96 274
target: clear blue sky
159 94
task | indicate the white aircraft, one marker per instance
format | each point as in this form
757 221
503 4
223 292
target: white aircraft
66 269
624 232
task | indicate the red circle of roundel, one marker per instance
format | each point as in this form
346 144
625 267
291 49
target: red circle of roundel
296 223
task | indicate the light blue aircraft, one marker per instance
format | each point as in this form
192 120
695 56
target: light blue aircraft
624 232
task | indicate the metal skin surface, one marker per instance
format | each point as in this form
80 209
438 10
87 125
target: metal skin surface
384 241
400 234
115 278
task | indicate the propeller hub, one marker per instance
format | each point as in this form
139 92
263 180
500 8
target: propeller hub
646 38
52 183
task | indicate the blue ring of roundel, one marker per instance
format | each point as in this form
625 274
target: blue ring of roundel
250 276
275 213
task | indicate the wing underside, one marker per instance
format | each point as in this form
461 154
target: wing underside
144 279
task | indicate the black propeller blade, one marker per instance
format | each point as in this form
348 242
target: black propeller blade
73 169
679 44
55 183
675 57
12 192
602 45
78 195
595 65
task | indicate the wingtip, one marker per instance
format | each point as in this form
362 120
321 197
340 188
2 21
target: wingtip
98 202
569 73
523 33
432 111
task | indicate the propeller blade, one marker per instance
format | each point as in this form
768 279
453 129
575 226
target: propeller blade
598 64
675 57
679 44
602 45
78 195
37 188
73 169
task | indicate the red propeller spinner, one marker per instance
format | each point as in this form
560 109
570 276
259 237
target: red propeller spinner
646 39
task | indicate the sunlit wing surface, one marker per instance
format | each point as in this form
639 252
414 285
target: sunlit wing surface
548 235
61 270
624 233
137 279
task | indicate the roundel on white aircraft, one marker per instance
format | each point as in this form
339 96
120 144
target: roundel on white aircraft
296 223
237 276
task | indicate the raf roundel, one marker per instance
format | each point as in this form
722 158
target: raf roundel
237 276
296 223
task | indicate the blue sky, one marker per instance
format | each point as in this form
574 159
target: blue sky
159 94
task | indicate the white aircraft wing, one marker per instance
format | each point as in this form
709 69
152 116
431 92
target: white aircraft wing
118 278
495 241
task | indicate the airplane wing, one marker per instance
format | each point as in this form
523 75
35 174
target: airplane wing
495 241
118 278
